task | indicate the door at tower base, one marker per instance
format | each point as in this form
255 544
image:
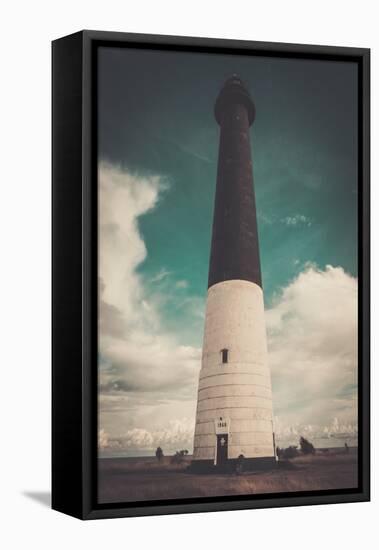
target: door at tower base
234 396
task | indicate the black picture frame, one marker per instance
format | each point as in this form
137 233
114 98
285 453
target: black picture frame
74 273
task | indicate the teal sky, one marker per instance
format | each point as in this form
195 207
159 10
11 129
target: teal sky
156 118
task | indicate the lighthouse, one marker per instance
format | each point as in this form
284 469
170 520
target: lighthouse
234 414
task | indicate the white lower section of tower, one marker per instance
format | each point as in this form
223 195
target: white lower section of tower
234 397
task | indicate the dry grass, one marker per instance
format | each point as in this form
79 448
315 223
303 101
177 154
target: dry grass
146 479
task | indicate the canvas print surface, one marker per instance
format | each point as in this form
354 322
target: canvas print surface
227 259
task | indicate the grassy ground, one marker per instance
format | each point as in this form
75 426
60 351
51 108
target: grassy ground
125 480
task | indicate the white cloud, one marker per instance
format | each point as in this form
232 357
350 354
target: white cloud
177 435
162 274
103 440
123 197
312 343
324 435
182 284
146 377
265 219
297 219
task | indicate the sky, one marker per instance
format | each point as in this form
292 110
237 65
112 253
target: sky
158 147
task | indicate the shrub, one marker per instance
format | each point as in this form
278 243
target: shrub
289 452
178 457
306 446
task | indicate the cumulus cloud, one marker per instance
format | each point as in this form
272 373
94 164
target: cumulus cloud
149 362
313 350
123 198
103 440
322 435
177 434
146 377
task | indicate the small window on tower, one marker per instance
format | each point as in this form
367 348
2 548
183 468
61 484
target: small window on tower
224 354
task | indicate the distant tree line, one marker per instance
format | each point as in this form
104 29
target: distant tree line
177 458
306 448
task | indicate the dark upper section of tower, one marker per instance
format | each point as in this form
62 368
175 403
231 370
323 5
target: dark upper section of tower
234 91
235 247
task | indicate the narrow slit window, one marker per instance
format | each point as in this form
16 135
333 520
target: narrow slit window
224 354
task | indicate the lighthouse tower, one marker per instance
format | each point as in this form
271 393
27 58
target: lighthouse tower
234 407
